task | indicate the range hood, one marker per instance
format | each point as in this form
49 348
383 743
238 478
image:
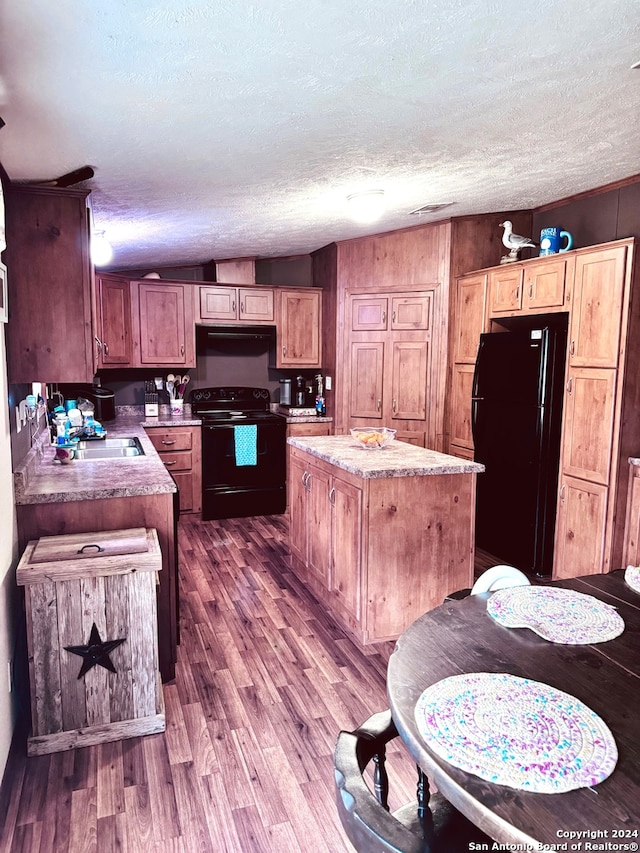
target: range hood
241 333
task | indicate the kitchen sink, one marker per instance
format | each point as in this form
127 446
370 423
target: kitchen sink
109 448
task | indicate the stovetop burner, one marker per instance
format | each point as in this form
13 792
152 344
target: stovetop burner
233 403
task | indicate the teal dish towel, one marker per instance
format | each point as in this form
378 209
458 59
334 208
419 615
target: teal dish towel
245 438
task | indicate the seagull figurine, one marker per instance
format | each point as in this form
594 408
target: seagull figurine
513 242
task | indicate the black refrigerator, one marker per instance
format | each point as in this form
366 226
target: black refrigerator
516 422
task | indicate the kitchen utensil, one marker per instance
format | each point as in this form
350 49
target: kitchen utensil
170 378
170 386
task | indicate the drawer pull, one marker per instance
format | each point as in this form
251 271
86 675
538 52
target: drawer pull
171 462
168 442
84 547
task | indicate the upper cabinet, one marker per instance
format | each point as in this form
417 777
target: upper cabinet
165 319
597 313
49 334
299 327
226 304
538 286
113 322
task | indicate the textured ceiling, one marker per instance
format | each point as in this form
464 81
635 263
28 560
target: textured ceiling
223 129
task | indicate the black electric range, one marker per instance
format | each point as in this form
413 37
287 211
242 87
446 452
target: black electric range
243 452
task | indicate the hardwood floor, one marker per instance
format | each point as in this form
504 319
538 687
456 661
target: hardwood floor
265 681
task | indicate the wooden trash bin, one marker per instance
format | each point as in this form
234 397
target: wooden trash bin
92 637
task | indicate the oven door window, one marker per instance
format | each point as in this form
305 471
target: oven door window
219 466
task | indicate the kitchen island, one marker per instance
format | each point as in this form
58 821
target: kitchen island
380 536
109 494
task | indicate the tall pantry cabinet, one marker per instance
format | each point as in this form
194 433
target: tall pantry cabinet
601 427
386 317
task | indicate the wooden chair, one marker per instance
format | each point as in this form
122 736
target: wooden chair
428 825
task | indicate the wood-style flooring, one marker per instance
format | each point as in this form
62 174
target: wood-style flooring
265 681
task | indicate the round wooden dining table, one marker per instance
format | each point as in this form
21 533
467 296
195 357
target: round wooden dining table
461 637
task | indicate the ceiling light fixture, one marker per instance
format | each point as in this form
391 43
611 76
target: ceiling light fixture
101 251
366 206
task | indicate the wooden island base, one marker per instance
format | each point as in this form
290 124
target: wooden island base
380 549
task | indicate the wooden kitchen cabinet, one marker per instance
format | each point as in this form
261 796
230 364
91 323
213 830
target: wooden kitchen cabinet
589 409
326 532
505 289
580 529
545 284
389 368
468 318
113 336
597 313
364 550
460 435
49 335
164 322
378 313
600 429
366 380
252 305
180 448
530 287
299 327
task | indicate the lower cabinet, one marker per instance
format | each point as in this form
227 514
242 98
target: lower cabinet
580 529
180 449
379 552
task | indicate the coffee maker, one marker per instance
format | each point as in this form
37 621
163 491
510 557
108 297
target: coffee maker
298 393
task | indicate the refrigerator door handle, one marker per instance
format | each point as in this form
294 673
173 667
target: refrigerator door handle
474 417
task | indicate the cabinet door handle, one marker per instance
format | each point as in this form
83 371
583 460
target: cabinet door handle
393 317
516 295
242 307
570 385
562 491
233 306
384 317
572 349
99 342
284 350
106 348
170 461
394 406
379 405
531 291
182 349
332 496
168 443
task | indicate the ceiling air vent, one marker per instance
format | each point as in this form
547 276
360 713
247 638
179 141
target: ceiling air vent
429 208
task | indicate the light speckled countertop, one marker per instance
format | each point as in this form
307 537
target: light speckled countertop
634 460
41 479
397 459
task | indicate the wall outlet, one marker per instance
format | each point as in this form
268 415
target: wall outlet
327 383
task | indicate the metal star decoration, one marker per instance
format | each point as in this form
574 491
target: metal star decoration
95 652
